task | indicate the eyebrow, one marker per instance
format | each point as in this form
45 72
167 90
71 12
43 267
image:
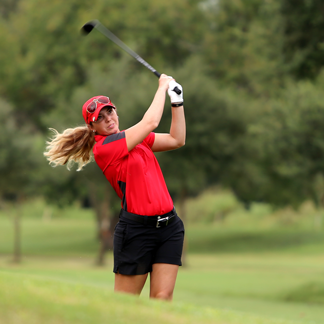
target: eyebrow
106 109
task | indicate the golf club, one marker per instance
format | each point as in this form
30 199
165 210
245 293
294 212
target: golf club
88 27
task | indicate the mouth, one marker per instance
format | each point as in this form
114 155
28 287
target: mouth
111 126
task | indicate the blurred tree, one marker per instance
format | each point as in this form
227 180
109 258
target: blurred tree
53 56
291 144
250 125
20 157
243 45
303 37
54 59
278 157
44 47
7 7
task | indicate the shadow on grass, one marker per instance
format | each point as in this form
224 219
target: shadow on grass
310 293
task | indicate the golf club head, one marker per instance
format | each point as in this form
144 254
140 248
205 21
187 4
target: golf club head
87 28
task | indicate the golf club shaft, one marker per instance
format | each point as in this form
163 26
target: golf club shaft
122 45
87 28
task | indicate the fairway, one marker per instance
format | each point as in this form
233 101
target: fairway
28 299
238 273
250 285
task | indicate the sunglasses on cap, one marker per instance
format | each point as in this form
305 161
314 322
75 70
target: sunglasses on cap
91 108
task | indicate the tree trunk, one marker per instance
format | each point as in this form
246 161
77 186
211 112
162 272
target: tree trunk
182 213
318 220
17 231
100 200
105 236
93 195
319 200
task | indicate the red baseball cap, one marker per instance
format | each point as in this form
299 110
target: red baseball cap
95 104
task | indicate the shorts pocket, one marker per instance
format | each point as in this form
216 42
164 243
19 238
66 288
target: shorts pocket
181 225
120 236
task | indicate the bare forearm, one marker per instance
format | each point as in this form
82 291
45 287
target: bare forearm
151 118
154 114
178 125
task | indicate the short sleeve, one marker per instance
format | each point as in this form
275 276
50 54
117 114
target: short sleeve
149 140
110 150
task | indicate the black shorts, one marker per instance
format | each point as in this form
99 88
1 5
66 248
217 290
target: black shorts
137 246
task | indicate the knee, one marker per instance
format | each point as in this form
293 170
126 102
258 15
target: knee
163 295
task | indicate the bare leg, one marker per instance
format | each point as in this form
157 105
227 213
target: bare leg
163 278
129 284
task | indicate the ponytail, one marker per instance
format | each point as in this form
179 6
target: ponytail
74 145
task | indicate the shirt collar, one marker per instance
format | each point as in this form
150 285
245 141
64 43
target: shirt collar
99 137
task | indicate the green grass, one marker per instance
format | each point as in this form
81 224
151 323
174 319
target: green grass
29 298
246 264
254 283
77 237
247 284
56 237
217 239
312 293
217 206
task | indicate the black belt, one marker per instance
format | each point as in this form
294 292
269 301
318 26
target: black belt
157 221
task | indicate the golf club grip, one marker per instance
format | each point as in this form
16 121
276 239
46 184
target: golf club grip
176 89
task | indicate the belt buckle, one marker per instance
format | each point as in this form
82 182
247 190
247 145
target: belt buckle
159 219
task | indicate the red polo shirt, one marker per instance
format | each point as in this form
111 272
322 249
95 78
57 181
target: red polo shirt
135 176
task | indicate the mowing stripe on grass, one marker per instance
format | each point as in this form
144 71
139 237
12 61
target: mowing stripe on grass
26 299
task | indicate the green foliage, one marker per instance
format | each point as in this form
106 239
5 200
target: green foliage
58 69
7 7
211 206
243 45
290 147
54 58
303 37
252 126
217 123
19 156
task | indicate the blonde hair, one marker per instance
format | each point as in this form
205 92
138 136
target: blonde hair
74 145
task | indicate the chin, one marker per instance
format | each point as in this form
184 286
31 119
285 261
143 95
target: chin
115 131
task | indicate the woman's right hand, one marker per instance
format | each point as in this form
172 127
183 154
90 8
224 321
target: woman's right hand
164 81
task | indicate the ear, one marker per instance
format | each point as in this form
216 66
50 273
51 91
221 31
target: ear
90 127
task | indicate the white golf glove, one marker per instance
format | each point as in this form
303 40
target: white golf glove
174 97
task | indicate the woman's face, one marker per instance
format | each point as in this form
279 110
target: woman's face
107 122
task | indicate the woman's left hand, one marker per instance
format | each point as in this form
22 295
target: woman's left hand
164 81
174 97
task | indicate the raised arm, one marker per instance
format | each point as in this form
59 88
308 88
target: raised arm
177 135
151 119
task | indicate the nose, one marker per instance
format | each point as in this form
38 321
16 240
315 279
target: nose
107 117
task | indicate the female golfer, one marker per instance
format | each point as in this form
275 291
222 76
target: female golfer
149 235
